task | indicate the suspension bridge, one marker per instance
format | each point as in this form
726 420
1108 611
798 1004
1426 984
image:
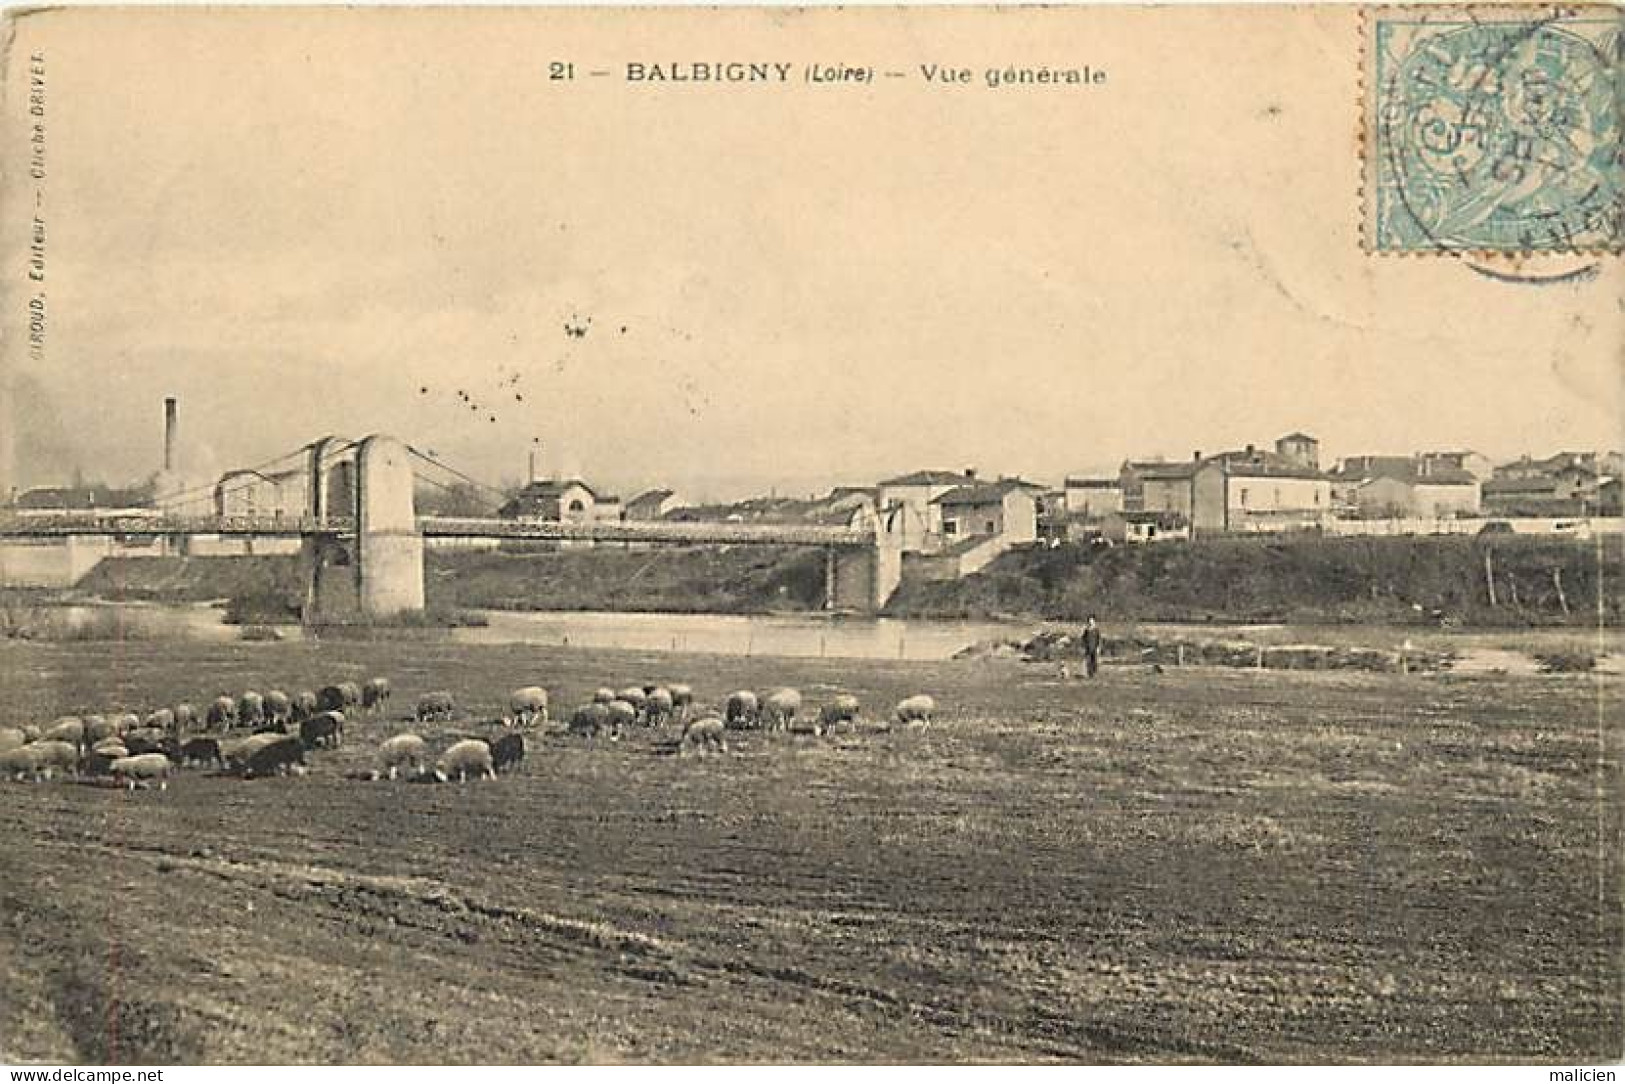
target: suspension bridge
361 539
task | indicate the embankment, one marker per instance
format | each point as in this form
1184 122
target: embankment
1304 579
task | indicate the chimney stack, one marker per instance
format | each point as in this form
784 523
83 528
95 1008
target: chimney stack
970 473
1196 456
170 422
531 477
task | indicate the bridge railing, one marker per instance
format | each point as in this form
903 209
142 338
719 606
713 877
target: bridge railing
150 524
139 522
653 531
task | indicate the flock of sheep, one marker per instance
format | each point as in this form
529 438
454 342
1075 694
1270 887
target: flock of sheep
282 730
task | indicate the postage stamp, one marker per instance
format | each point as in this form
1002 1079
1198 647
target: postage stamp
1494 129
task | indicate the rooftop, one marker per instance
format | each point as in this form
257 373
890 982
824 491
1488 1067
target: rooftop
930 478
984 492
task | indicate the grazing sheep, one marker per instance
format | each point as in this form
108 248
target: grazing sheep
375 695
237 753
469 757
31 732
97 727
843 709
331 698
21 762
123 724
528 705
50 754
589 719
68 729
705 734
278 708
682 701
779 708
743 710
603 695
507 751
202 752
403 750
12 737
436 705
251 709
621 715
222 713
304 705
185 717
276 757
323 730
916 711
634 695
136 771
657 708
163 719
99 761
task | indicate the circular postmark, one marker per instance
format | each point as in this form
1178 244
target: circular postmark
1500 136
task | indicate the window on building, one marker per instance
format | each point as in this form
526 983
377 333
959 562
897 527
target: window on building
989 527
1244 496
577 506
950 526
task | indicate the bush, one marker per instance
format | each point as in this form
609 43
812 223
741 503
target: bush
1566 662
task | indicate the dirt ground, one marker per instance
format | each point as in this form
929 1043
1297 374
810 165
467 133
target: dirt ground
1201 865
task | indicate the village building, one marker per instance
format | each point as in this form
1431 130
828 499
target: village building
561 501
1007 508
1424 486
250 493
652 504
1134 528
1093 498
909 498
1256 490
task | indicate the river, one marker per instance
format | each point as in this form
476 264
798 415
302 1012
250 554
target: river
817 635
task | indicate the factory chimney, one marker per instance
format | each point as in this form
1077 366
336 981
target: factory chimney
170 422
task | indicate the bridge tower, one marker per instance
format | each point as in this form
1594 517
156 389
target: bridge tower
389 547
363 554
864 579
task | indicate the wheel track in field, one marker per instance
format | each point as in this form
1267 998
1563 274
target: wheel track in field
669 961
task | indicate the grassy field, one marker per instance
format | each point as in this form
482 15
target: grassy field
1196 866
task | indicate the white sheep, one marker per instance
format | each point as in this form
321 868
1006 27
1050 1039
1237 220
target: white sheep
403 750
21 761
843 709
51 754
705 734
69 728
779 708
12 737
142 770
528 705
469 757
916 710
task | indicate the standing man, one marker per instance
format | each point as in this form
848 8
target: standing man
1091 646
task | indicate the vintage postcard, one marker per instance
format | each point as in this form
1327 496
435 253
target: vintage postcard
783 535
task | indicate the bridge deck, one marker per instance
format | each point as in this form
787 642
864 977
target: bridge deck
127 525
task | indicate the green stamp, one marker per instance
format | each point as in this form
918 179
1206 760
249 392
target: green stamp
1494 130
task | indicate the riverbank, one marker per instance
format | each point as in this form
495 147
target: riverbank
1294 579
1302 580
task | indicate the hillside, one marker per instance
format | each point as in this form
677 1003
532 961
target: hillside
1299 579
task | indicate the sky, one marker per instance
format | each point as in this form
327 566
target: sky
353 222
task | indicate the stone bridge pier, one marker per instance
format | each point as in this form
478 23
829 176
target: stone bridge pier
374 567
864 579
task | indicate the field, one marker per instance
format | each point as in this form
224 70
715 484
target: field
1202 865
